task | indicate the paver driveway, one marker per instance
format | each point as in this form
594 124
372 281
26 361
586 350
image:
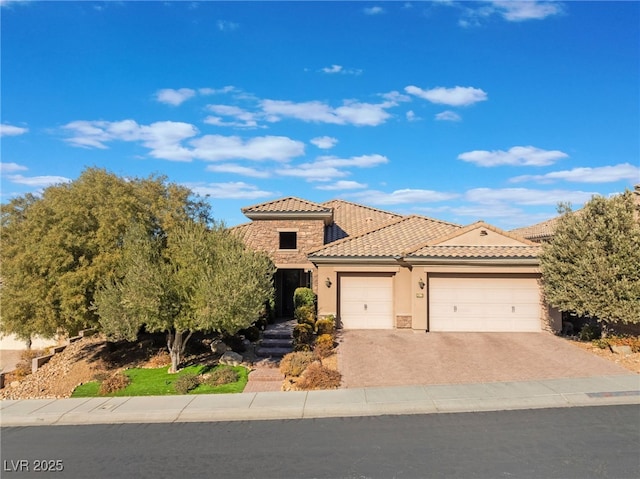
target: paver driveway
368 358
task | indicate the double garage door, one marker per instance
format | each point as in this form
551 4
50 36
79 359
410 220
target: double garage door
457 302
492 303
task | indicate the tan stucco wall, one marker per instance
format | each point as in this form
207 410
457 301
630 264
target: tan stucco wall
475 238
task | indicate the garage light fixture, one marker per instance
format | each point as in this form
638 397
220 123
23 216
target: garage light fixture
421 283
327 282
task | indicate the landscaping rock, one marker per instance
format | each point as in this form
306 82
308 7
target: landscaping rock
219 347
621 349
231 359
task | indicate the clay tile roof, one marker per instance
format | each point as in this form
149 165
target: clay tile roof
387 241
539 231
351 219
477 252
286 205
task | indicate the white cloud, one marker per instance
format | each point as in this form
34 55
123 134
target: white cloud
214 91
11 130
227 26
411 116
373 10
395 97
456 96
244 118
526 10
217 148
525 196
448 115
237 169
163 138
37 181
351 112
403 196
174 97
363 161
516 156
327 168
342 185
324 142
229 191
11 167
333 69
600 174
312 172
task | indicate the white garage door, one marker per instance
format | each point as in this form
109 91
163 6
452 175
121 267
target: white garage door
366 302
477 303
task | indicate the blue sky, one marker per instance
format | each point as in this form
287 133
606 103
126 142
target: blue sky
456 110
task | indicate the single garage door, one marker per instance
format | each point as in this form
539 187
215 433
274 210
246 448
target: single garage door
483 303
366 302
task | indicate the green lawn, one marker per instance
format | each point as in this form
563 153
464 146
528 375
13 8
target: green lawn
158 382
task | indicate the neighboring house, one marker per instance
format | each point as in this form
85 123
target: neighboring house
543 232
374 269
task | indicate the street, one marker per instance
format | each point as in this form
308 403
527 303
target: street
580 442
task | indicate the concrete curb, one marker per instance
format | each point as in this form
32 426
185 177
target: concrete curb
450 398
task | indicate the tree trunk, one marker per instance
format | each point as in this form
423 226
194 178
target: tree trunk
176 345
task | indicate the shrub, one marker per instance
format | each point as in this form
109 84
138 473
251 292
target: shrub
160 359
252 333
323 350
293 364
304 297
185 383
326 325
302 334
305 314
115 382
318 376
222 375
600 343
23 367
589 332
235 343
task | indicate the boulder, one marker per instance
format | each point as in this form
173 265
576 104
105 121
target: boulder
231 359
219 347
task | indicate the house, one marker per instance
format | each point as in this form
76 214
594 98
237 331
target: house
374 269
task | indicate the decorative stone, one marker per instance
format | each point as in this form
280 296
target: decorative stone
231 358
620 349
219 347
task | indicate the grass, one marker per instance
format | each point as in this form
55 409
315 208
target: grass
158 382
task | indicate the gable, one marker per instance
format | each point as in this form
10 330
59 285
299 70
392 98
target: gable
482 234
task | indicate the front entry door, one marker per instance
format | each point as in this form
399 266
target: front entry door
287 281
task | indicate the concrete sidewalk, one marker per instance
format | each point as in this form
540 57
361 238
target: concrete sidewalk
549 393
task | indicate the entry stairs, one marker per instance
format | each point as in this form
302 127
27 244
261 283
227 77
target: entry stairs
277 339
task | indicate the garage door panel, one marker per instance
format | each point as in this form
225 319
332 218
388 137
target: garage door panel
366 302
484 303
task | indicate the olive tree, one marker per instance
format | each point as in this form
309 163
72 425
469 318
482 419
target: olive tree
195 279
592 264
57 247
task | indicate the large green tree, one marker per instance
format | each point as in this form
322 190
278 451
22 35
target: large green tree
198 278
592 264
56 247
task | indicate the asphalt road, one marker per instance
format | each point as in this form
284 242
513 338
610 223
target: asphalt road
581 442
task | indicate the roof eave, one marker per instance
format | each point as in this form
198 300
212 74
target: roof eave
474 261
326 216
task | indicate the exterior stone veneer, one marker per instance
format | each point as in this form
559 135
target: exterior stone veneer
265 236
404 321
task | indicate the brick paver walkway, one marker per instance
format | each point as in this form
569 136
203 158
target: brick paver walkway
368 358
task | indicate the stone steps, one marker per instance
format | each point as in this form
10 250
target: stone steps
277 340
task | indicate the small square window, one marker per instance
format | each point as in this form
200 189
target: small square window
288 240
